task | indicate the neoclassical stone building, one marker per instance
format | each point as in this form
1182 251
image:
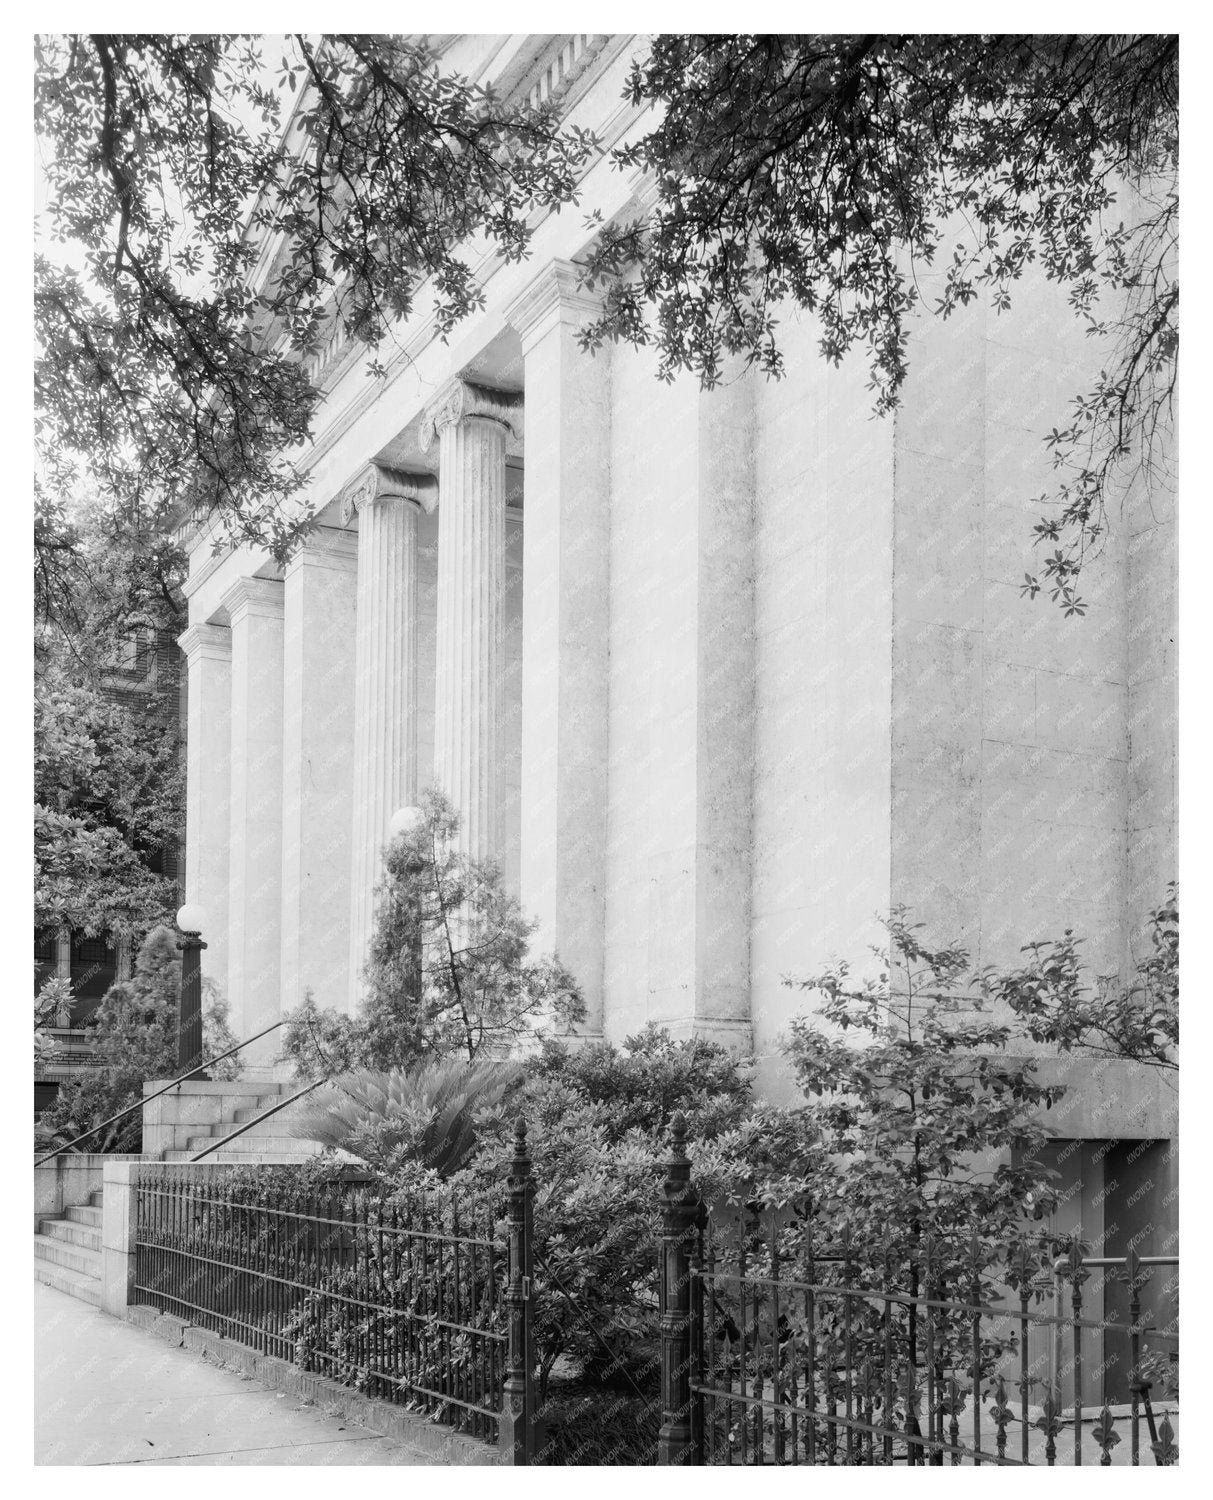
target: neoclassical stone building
715 676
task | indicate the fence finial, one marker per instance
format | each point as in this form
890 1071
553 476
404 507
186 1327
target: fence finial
520 1167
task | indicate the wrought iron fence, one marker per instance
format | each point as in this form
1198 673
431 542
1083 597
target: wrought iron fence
782 1347
417 1300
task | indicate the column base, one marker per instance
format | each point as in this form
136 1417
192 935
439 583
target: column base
736 1037
576 1040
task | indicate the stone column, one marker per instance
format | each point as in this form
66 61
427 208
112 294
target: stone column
63 953
317 760
255 606
565 627
385 679
208 811
471 424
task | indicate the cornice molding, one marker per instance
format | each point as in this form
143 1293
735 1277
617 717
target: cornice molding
460 401
554 295
213 642
486 267
254 596
325 547
376 482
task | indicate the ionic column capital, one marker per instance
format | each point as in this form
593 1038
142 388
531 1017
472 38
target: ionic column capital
206 642
555 295
376 482
460 400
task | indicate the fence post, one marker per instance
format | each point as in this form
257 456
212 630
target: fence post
677 1441
189 1003
119 1235
519 1432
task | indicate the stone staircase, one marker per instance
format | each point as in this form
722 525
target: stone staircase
265 1142
67 1251
67 1246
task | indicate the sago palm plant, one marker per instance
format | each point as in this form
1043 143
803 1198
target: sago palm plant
424 1115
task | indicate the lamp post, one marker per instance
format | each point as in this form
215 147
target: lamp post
406 821
191 919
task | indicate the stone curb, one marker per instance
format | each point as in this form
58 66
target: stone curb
411 1431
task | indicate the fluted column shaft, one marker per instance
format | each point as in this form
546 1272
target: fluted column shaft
255 607
565 628
320 596
472 426
385 681
208 652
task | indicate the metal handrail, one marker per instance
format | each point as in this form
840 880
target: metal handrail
139 1103
248 1124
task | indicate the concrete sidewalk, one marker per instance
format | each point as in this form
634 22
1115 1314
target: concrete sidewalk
108 1393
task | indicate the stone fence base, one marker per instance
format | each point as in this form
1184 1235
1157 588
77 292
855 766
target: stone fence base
407 1428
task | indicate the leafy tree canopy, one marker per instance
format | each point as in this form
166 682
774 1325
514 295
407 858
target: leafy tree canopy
825 170
815 170
108 799
109 794
170 368
930 1120
1138 1022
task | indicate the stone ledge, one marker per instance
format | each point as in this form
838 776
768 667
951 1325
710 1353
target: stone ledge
407 1428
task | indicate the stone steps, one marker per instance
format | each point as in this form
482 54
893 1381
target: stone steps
74 1283
67 1251
87 1236
258 1157
75 1257
67 1247
256 1143
243 1116
264 1141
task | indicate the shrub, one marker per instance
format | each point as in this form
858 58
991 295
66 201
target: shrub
650 1078
450 970
217 1034
598 1119
136 1041
320 1042
421 1117
582 1425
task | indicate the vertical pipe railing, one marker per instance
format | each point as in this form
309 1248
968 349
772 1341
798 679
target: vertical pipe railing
848 1344
743 1380
1077 1276
810 1319
931 1288
1024 1268
887 1442
975 1296
776 1376
1134 1279
698 1360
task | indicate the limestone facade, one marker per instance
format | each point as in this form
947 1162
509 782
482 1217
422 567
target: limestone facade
716 677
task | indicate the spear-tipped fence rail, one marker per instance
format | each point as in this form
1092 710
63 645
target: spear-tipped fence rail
420 1298
782 1347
